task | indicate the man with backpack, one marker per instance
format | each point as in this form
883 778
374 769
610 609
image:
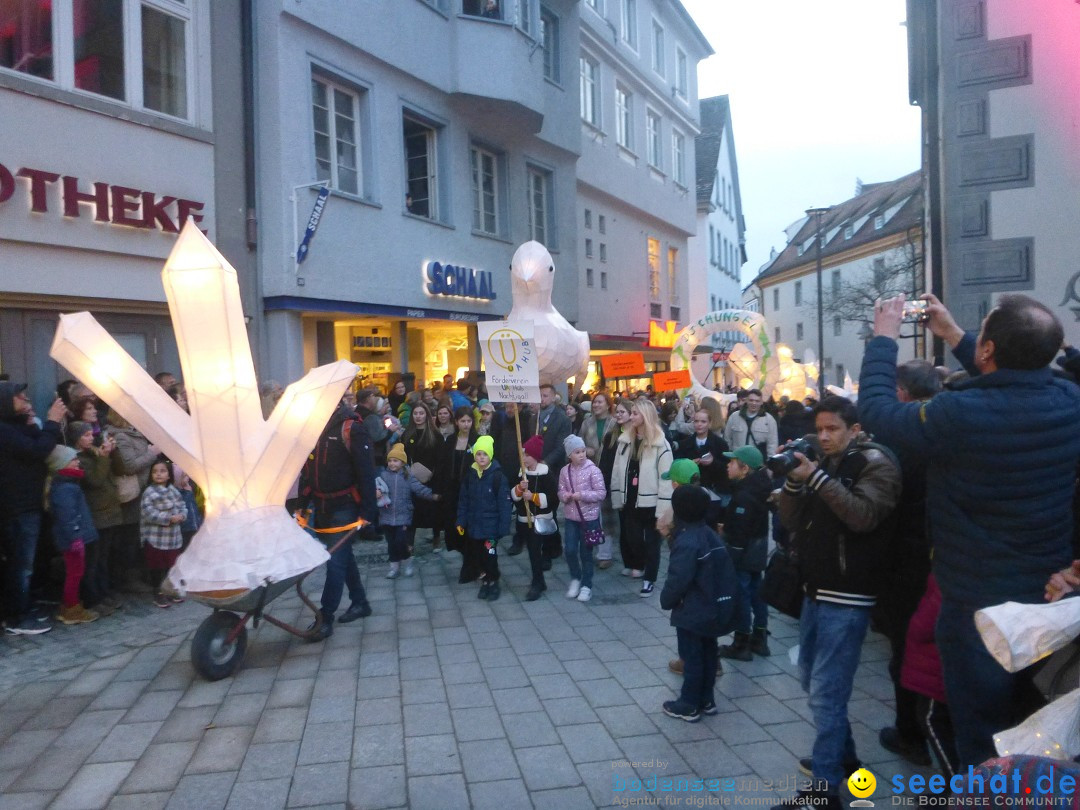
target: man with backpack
339 481
840 511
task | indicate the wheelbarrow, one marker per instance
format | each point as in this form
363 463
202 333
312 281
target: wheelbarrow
219 643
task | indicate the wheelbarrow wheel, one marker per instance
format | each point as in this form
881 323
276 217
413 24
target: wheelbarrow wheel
211 654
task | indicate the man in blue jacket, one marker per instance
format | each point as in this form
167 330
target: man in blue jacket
1003 449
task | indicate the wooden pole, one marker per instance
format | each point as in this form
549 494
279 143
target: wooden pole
521 456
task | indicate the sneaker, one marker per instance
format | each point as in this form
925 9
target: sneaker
806 766
393 572
574 589
585 594
646 589
625 572
409 570
326 629
357 610
77 614
914 751
635 574
709 708
112 601
176 600
162 601
681 711
27 627
494 591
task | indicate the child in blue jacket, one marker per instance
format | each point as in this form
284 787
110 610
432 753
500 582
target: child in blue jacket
399 488
483 516
73 528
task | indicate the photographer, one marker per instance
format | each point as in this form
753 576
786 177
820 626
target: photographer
839 512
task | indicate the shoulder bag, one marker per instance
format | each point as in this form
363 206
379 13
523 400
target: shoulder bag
781 586
595 535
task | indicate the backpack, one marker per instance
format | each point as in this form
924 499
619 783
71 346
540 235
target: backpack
329 471
726 585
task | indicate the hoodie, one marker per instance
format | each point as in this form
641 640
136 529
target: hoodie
23 450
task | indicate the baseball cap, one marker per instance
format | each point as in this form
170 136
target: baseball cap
748 455
682 471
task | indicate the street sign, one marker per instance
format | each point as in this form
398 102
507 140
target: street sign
511 365
671 380
629 364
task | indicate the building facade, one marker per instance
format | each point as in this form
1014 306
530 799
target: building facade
636 202
1001 157
107 147
871 246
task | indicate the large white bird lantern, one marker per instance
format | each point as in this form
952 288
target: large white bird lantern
563 350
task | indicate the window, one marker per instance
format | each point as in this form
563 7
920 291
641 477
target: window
539 192
624 118
524 16
712 244
549 36
334 113
849 231
678 157
652 138
776 332
603 251
798 293
588 277
672 278
837 326
712 303
482 8
485 181
628 22
588 248
603 279
588 218
590 105
840 373
879 222
676 314
656 311
798 331
776 299
836 282
136 53
681 75
602 223
654 268
421 196
658 48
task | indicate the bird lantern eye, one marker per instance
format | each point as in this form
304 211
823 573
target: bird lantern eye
551 268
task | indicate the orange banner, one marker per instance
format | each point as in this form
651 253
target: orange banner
671 380
630 364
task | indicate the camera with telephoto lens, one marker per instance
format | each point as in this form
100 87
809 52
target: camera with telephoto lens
784 462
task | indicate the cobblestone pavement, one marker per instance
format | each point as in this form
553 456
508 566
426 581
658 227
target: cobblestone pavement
438 700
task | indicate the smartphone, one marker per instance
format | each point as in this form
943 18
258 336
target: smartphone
707 457
916 311
387 421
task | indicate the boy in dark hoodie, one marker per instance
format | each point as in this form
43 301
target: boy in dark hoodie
701 592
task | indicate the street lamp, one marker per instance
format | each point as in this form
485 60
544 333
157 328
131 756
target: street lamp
816 213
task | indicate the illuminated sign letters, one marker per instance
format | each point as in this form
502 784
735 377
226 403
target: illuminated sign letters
459 282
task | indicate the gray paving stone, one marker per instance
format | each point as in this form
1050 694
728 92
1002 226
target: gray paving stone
118 696
140 801
654 748
89 683
378 686
127 741
555 686
93 786
547 766
589 742
23 747
626 721
204 791
330 709
416 647
499 795
241 710
454 674
449 636
52 769
427 718
334 683
185 724
346 658
153 706
89 728
562 799
373 665
605 692
267 794
530 729
376 711
600 779
435 754
468 695
268 761
253 680
439 792
26 801
159 768
281 725
709 759
326 742
205 693
378 745
487 760
739 728
571 651
427 690
377 788
569 711
506 677
290 692
514 701
221 749
301 667
319 784
477 724
544 663
634 674
765 709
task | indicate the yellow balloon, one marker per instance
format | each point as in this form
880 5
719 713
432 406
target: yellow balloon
862 783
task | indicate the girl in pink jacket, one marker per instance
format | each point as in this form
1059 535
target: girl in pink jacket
581 490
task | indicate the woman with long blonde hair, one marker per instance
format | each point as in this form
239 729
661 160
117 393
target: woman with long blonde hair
640 492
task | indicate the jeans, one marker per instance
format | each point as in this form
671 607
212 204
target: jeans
751 602
341 570
399 541
579 555
830 641
699 655
21 533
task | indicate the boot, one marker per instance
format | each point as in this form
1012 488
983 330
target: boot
739 649
516 547
759 642
494 591
76 614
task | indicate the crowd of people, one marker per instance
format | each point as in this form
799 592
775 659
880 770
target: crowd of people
934 496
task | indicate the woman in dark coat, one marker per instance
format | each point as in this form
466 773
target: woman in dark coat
454 461
424 445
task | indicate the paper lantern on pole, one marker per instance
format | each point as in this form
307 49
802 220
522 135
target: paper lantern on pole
243 463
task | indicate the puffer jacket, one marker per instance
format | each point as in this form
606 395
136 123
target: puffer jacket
589 484
99 486
484 506
401 488
653 491
701 588
71 518
1003 450
921 671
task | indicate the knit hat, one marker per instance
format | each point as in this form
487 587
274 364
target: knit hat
572 443
534 446
485 444
398 452
690 504
60 457
8 392
75 431
748 455
682 471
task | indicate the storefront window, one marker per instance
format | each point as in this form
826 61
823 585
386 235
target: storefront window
164 63
99 46
26 43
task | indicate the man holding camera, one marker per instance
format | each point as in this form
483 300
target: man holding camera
839 511
1003 449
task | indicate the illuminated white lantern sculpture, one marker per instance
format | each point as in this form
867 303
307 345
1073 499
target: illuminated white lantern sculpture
563 350
762 371
792 382
243 463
